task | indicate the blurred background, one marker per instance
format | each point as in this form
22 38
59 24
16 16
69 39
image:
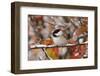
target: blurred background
57 30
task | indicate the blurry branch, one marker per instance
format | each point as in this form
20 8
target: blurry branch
73 23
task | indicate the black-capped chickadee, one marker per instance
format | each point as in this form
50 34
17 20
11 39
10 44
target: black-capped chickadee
59 40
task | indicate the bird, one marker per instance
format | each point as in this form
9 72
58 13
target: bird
59 40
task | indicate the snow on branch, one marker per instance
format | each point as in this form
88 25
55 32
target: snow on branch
52 46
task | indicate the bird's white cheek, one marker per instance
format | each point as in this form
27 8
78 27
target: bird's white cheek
80 40
59 33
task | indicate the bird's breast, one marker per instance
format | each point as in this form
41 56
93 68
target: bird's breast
59 40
